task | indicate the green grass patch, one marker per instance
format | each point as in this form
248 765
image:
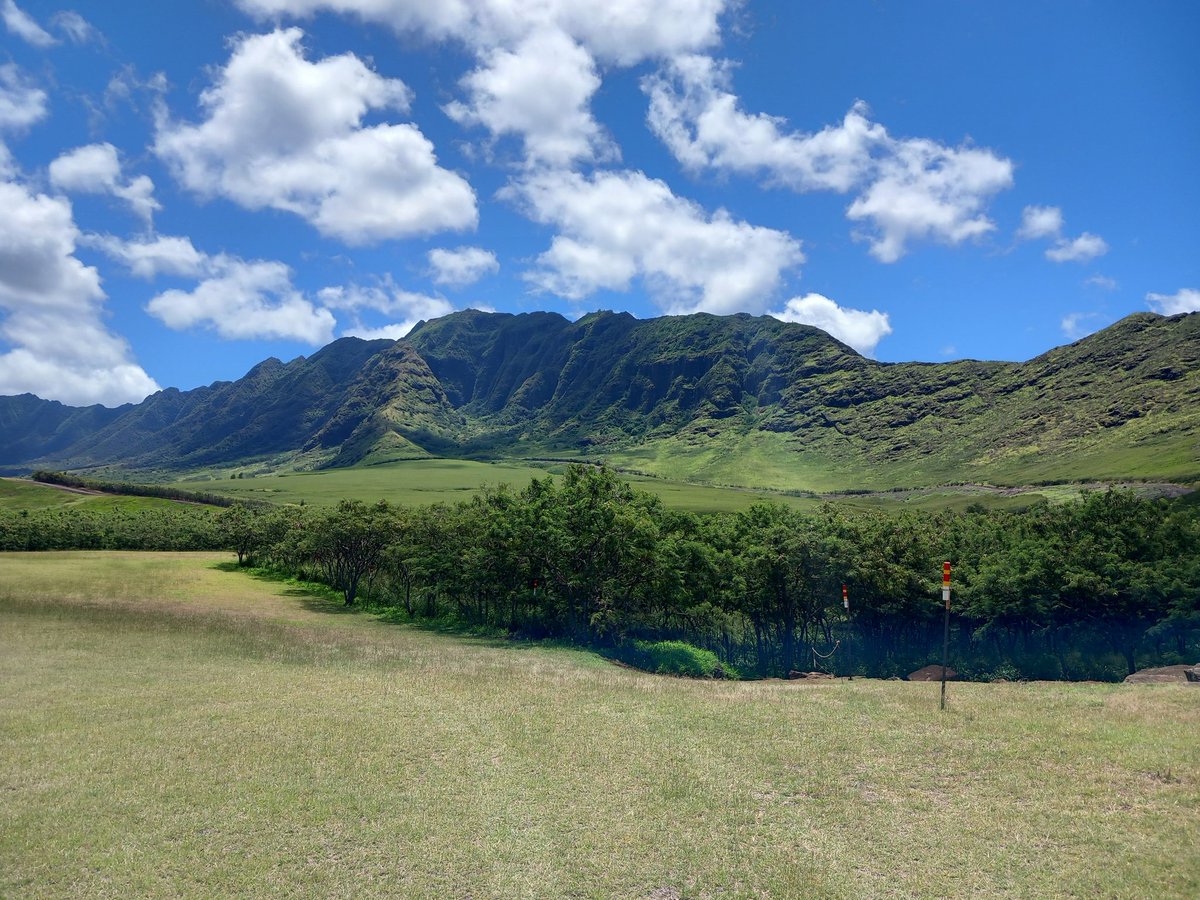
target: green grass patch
424 481
410 482
170 728
673 658
18 494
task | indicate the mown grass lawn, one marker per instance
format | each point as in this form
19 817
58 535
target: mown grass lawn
170 728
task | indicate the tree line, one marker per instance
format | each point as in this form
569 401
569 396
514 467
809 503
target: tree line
1090 589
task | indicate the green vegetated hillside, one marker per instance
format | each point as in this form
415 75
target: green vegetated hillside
733 400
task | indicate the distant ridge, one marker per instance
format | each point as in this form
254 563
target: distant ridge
730 399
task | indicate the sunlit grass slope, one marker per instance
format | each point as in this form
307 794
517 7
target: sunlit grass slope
18 495
422 481
168 728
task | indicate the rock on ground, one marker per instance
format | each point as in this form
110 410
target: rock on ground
1160 675
932 673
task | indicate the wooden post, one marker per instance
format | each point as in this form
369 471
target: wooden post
946 627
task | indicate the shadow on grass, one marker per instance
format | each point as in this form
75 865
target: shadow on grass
321 598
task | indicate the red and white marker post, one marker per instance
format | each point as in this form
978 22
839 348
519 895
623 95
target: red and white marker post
846 604
946 626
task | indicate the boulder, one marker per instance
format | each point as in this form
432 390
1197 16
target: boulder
932 673
1192 674
795 675
1161 675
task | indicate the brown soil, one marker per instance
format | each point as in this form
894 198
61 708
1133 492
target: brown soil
932 673
1161 675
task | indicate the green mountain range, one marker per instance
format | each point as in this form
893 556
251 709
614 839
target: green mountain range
726 399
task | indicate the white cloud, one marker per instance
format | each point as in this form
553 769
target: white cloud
1184 300
1040 222
537 62
407 307
239 299
78 29
925 190
539 90
382 333
285 133
1104 282
243 300
149 258
1047 222
96 169
615 226
1081 249
60 348
909 189
622 32
24 26
21 104
694 113
860 329
1078 325
236 298
463 266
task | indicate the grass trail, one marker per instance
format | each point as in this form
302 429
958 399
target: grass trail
167 728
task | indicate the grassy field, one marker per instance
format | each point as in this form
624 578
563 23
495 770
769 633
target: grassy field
16 494
169 727
421 481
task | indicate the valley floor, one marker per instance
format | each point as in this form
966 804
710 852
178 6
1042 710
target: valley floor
169 726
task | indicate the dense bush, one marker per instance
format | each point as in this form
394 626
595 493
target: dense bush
673 658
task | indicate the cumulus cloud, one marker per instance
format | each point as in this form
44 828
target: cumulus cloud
52 305
405 308
235 298
1185 300
539 90
242 300
151 257
1040 222
925 190
1047 222
860 329
622 32
463 266
617 226
537 62
24 26
699 119
96 169
1081 249
286 133
908 189
21 104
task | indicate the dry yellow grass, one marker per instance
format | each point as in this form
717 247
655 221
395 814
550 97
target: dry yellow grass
170 728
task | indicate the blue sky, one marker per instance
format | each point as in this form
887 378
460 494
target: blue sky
187 188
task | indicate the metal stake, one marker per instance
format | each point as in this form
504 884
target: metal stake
946 627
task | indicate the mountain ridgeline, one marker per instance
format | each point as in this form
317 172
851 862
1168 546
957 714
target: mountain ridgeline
728 399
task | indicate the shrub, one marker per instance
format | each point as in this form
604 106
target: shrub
674 658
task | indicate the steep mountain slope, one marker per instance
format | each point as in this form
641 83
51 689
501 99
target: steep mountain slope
734 399
31 427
